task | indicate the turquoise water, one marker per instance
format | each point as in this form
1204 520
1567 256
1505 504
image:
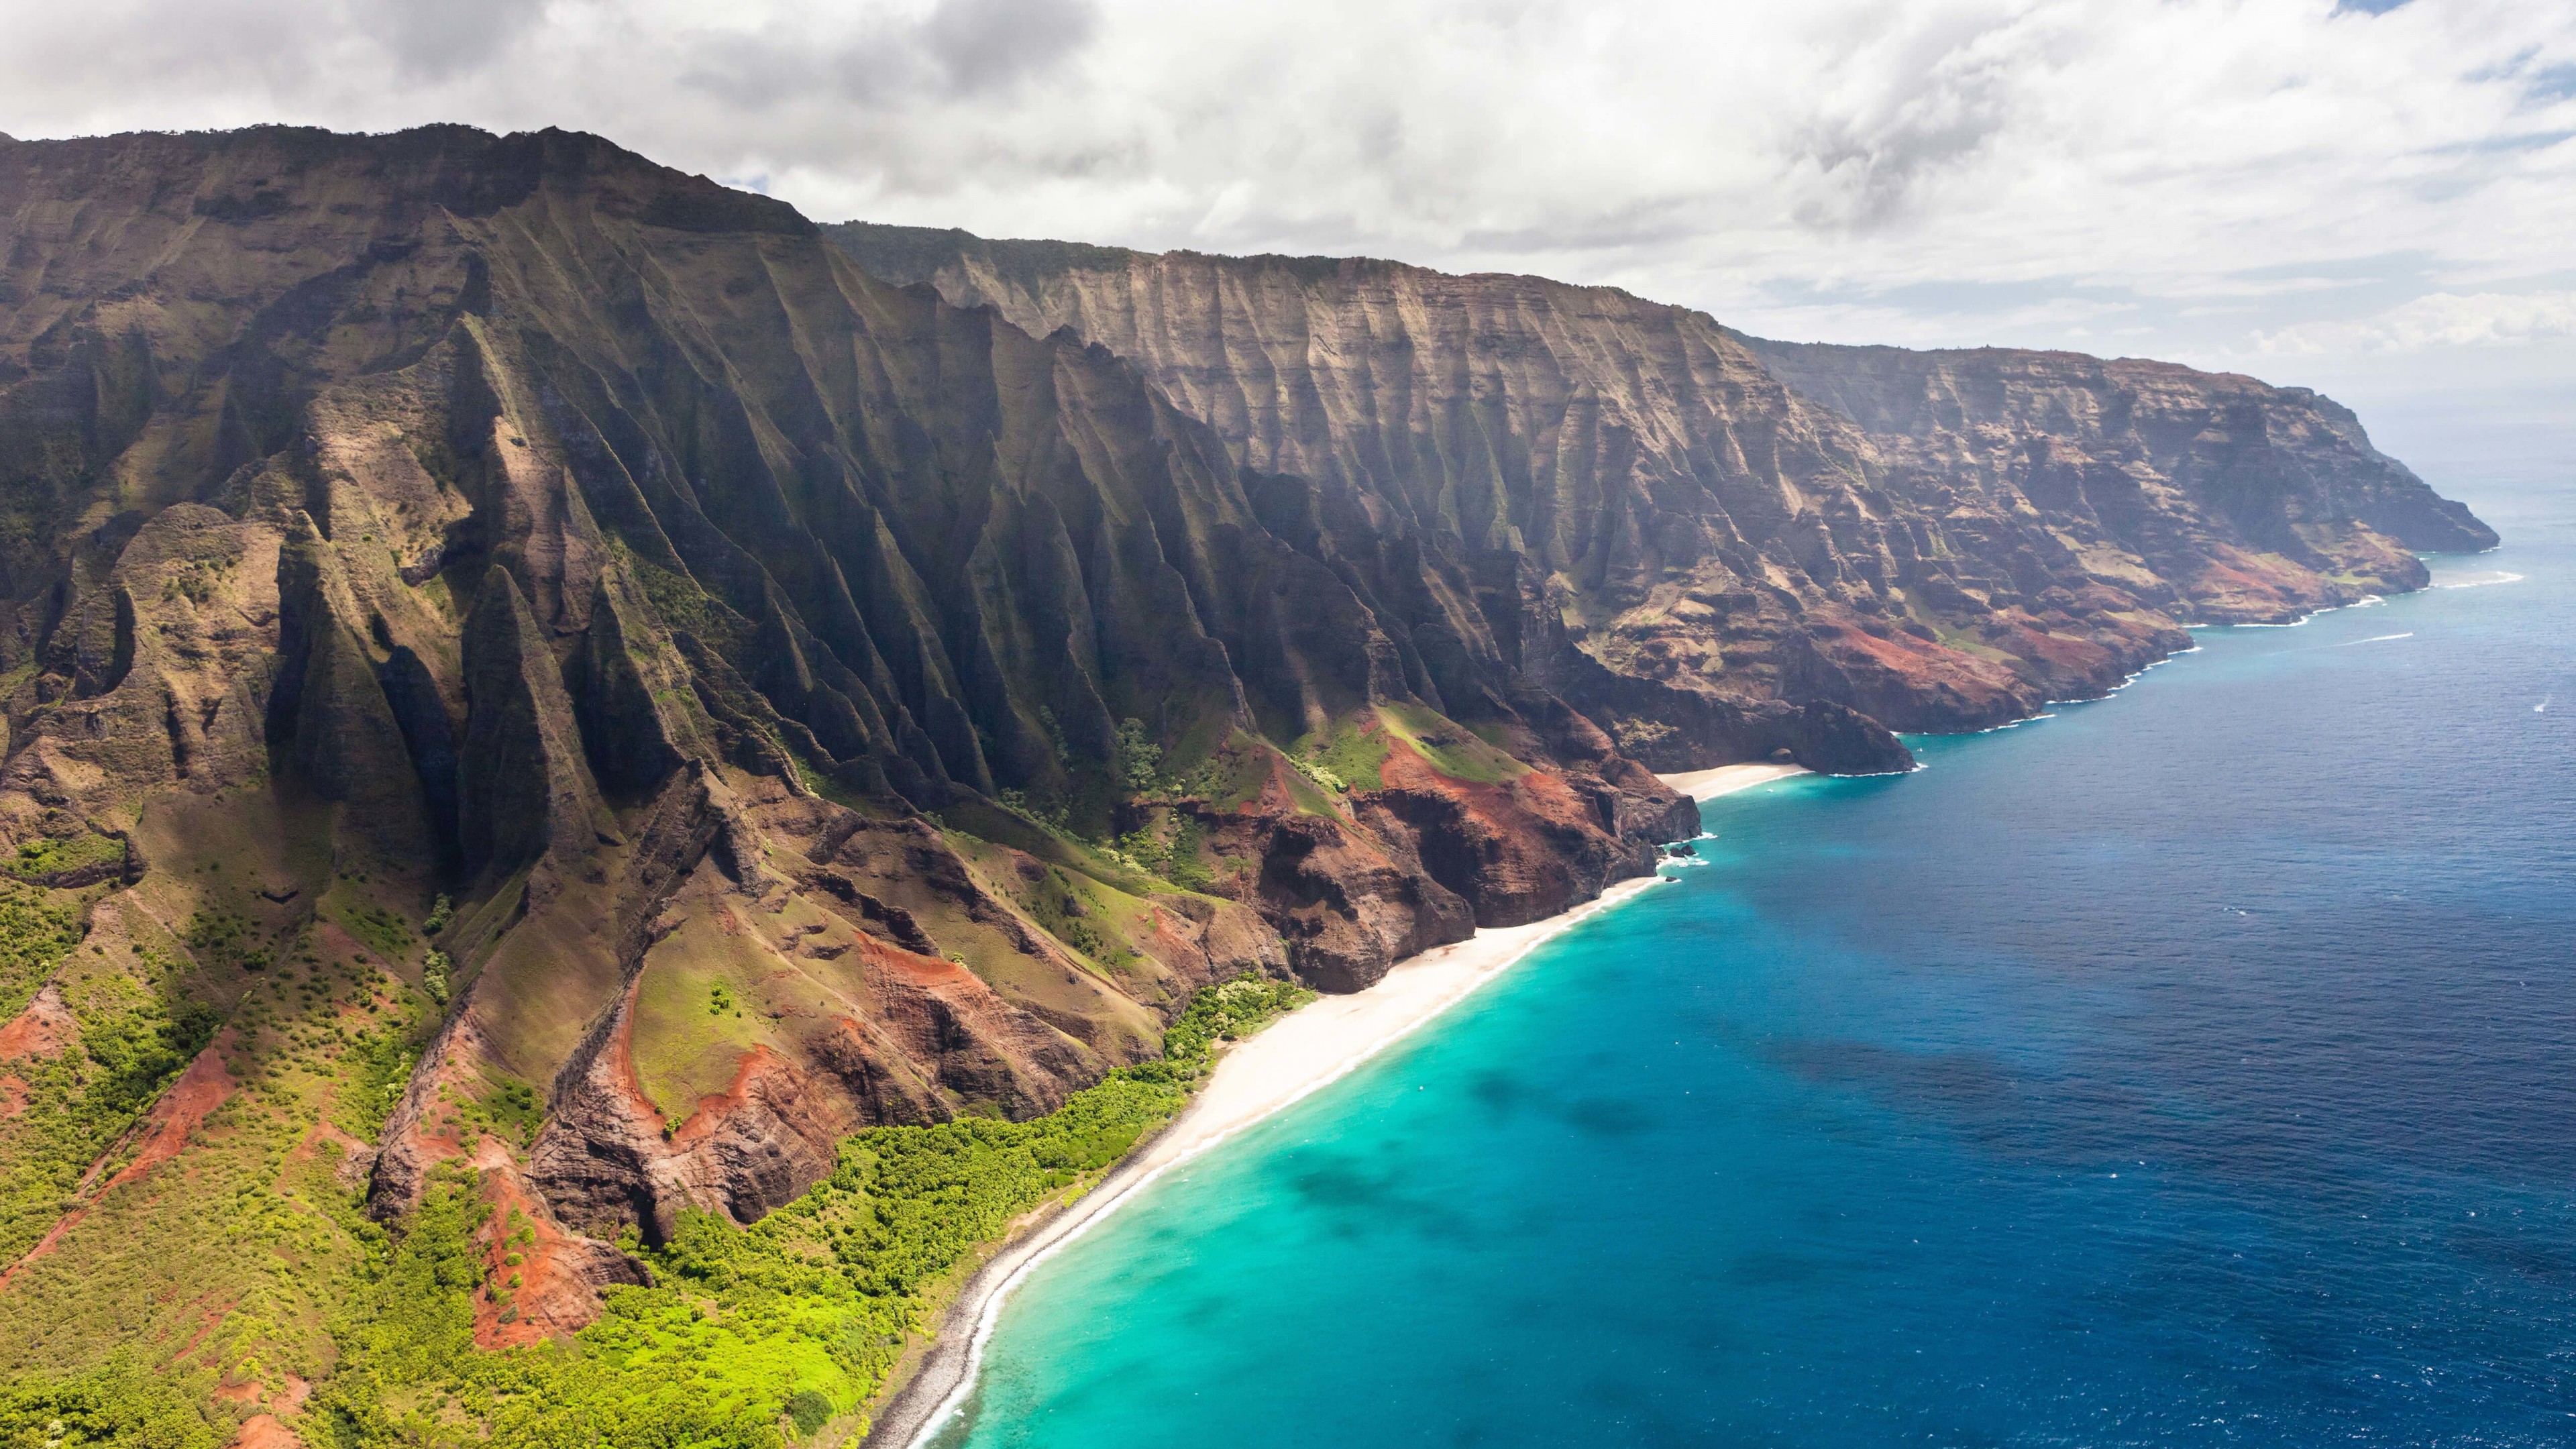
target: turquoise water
2192 1067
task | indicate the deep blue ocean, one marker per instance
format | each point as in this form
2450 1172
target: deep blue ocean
2196 1066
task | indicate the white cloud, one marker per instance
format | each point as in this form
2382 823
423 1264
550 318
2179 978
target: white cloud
2444 319
2206 178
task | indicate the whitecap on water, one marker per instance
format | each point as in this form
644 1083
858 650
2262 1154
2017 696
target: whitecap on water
2477 580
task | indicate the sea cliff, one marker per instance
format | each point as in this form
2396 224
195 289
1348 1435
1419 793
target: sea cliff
550 693
1939 541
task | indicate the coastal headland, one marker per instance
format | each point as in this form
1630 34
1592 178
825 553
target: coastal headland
571 732
1302 1053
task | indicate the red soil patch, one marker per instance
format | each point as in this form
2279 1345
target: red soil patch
913 967
182 1108
713 1108
1542 790
1277 796
208 1315
200 1090
13 1096
555 1296
44 1029
621 1058
1912 656
1921 663
1168 941
2243 583
1515 829
1502 808
265 1431
2078 656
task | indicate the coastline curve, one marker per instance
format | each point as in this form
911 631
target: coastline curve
1291 1060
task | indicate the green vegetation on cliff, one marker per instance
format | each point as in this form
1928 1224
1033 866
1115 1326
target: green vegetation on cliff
750 1336
76 1107
176 1200
72 1104
56 860
34 934
118 1403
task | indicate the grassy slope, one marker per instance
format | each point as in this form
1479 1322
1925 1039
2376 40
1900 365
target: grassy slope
751 1337
181 1160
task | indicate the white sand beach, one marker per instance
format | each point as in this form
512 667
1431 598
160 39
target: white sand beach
1308 1049
1727 779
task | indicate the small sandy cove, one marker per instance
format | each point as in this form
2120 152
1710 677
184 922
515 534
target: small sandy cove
1312 1047
1727 779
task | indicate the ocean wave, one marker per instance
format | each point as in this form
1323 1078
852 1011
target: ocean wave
2366 601
2376 639
2479 581
2125 681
